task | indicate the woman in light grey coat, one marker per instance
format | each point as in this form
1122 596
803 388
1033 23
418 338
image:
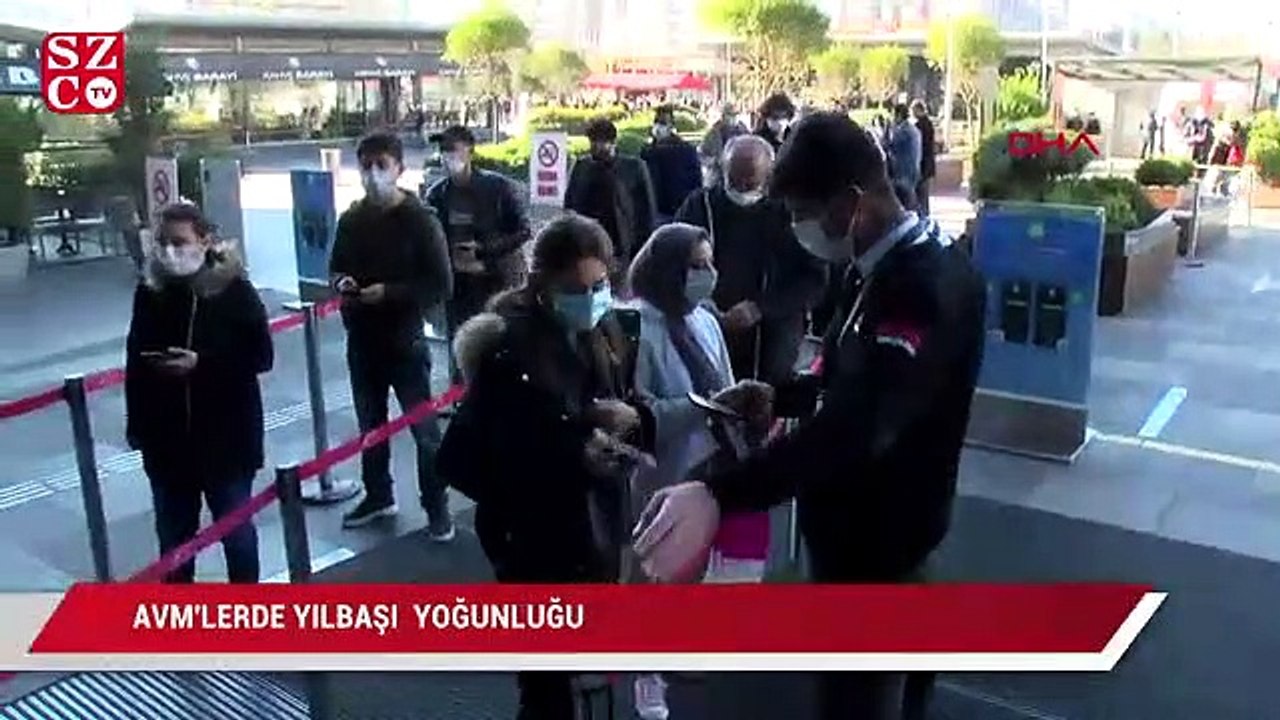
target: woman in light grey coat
682 350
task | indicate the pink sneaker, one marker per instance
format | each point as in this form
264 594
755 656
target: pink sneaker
651 697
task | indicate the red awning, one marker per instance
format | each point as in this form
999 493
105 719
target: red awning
647 82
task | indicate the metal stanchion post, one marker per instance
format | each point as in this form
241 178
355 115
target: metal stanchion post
297 552
293 519
90 487
328 490
1192 243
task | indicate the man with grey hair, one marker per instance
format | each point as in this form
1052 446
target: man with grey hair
767 282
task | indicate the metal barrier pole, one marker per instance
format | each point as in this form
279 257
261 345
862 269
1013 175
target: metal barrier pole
293 520
328 490
297 552
1192 259
90 486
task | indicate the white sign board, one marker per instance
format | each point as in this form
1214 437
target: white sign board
548 168
162 185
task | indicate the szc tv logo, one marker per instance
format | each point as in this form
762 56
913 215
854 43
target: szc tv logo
1030 144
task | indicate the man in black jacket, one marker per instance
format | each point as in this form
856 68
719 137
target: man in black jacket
485 223
673 165
875 468
390 264
928 154
615 191
766 281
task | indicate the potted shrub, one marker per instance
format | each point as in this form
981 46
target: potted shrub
1162 179
20 133
1140 246
997 175
1264 155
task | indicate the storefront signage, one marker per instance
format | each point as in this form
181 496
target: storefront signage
296 75
19 77
202 77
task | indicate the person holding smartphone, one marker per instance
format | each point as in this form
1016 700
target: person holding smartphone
544 438
682 351
198 340
390 264
486 225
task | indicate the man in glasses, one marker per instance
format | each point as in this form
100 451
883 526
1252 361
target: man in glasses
875 467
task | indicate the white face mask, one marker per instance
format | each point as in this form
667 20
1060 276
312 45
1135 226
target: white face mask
378 184
778 125
743 199
455 165
182 260
821 245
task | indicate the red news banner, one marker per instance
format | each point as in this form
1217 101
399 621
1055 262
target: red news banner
598 619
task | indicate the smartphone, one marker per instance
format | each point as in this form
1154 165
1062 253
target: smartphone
714 407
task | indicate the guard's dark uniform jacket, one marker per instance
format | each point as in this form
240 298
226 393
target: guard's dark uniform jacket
875 468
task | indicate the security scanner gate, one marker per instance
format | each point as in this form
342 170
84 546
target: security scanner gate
1042 264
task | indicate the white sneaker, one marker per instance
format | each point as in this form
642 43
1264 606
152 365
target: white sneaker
651 697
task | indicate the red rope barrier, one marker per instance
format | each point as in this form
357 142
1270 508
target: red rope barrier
215 532
104 379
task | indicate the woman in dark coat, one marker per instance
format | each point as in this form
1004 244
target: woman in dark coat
538 440
198 340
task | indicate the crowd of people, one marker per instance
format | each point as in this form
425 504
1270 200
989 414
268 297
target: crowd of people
577 403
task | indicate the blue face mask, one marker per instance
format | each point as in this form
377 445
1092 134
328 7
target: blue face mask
582 311
699 284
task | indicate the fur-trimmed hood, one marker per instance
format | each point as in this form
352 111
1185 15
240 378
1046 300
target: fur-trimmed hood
481 336
223 265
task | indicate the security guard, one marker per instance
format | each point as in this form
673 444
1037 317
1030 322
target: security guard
875 468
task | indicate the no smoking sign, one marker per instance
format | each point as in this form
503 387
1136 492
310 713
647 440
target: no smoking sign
548 153
161 188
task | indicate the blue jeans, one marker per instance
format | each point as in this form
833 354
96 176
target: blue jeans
407 372
178 494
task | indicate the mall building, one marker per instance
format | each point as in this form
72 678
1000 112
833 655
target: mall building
273 66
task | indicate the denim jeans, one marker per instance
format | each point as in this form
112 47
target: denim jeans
406 371
177 494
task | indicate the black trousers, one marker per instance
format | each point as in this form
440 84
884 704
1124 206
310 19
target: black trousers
178 494
544 695
922 197
872 695
377 370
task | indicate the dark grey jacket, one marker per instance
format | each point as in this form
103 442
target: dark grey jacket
633 203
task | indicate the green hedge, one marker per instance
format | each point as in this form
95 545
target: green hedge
574 120
1158 172
511 157
1264 146
1127 207
997 175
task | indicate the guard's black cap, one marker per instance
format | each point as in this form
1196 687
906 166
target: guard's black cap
453 136
824 155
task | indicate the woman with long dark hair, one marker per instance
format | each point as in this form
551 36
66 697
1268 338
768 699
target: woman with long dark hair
543 438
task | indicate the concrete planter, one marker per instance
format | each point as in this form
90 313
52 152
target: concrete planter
1137 265
15 260
950 173
1163 197
1266 196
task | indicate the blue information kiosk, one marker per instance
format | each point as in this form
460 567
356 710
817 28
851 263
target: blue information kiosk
1042 264
314 224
